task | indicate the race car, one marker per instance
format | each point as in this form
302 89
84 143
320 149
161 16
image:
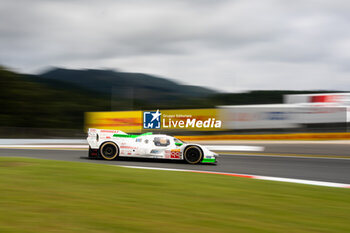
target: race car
111 144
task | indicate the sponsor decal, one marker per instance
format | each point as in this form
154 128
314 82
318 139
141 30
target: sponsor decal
175 154
155 151
128 147
109 131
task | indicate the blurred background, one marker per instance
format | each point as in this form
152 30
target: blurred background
275 73
260 67
65 102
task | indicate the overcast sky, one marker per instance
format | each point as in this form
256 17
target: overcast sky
227 45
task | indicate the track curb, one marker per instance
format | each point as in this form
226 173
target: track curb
269 178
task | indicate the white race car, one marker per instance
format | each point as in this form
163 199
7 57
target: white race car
110 144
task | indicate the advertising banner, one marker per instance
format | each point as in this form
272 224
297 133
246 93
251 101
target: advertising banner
279 116
321 114
127 121
325 98
258 116
155 120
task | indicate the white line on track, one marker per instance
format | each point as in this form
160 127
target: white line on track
46 146
25 141
270 178
234 148
286 156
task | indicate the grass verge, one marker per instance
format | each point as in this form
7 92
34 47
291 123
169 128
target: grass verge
53 196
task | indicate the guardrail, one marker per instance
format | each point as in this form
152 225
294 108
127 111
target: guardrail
17 141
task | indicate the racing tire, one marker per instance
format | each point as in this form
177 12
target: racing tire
93 153
89 153
109 150
193 154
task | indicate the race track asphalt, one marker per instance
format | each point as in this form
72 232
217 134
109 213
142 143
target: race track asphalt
318 169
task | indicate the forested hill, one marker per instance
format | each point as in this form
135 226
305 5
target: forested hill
27 103
127 85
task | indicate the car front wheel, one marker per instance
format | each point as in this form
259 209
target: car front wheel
193 154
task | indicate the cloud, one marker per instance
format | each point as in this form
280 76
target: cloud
227 45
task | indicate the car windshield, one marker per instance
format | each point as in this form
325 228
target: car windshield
161 141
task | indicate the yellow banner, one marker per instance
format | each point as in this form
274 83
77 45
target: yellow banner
178 120
127 121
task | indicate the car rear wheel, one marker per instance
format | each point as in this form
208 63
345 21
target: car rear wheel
193 154
90 151
109 150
